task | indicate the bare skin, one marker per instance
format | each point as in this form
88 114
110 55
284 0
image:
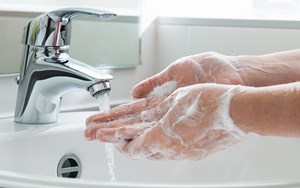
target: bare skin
159 127
268 111
187 125
211 67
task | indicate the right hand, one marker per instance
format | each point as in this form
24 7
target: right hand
209 67
192 123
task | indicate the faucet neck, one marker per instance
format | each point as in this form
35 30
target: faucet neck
47 72
59 54
55 54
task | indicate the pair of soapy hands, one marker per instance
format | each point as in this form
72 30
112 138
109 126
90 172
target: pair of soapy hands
180 113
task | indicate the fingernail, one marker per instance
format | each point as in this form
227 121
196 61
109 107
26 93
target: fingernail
88 138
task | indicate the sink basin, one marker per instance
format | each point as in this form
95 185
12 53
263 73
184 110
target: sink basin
30 156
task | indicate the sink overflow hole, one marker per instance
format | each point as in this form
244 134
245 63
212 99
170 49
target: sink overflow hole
69 166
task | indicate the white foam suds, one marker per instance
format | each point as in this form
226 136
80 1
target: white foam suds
220 127
166 88
224 120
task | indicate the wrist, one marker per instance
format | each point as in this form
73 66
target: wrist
251 74
268 111
240 110
267 70
225 110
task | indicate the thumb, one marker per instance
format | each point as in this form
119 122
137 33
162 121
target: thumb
145 87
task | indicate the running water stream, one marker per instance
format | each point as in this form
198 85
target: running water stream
103 103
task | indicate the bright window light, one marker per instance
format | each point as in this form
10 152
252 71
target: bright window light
122 7
231 9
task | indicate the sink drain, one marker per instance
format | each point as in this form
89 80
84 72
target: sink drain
69 166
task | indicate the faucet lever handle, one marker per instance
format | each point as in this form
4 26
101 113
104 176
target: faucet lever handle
65 15
54 28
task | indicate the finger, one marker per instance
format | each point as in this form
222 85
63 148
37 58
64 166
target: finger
118 112
107 135
121 134
157 157
144 145
90 132
155 100
132 132
142 89
93 127
155 114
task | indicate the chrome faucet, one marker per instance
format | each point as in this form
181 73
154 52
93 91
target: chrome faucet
47 72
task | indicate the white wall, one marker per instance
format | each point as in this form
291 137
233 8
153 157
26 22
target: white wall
175 41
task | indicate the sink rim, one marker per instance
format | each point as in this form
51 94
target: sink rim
15 179
12 130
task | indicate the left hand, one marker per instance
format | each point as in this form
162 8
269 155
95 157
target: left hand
191 123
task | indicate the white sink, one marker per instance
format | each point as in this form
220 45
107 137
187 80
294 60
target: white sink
30 155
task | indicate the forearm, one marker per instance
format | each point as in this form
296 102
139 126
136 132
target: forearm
271 69
273 110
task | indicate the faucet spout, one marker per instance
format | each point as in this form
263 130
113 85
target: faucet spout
47 72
